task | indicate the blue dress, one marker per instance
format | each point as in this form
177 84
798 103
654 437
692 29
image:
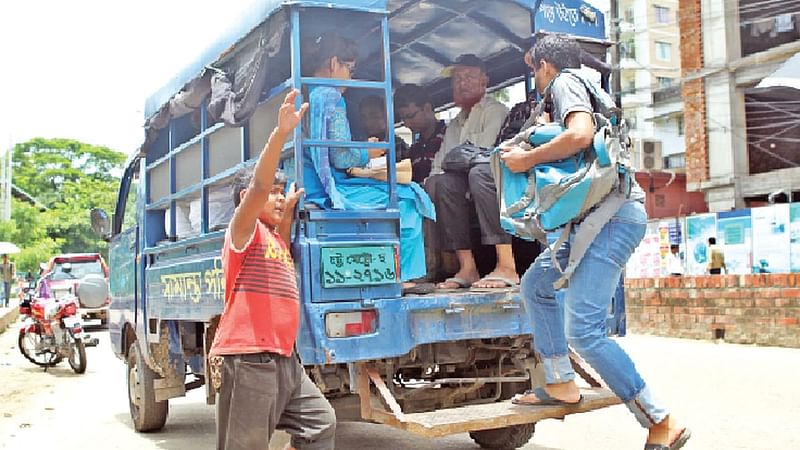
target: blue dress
327 184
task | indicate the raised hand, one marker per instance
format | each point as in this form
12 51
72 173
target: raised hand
288 116
293 196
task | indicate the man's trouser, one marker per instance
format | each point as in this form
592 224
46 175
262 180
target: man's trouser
6 292
453 209
264 391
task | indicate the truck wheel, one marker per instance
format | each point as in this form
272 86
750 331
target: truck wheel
147 414
508 438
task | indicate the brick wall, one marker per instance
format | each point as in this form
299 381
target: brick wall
744 309
693 91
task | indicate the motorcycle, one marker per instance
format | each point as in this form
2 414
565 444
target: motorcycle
51 331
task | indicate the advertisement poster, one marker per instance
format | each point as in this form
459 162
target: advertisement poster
794 235
771 239
670 232
698 229
646 259
735 238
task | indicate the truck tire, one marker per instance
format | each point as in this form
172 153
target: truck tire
508 438
147 414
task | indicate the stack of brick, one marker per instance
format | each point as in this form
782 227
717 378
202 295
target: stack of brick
745 309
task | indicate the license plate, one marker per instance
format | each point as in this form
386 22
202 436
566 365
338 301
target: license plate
358 266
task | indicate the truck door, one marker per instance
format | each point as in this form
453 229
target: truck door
123 255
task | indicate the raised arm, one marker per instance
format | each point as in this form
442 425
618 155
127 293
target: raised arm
246 214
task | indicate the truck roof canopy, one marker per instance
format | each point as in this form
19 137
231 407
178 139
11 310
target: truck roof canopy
425 37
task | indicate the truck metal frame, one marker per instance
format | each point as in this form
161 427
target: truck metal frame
434 364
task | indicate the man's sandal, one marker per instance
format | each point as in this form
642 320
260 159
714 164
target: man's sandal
544 399
676 444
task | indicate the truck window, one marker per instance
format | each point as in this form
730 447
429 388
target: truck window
129 214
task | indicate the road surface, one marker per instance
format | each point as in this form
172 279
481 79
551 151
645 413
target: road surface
732 396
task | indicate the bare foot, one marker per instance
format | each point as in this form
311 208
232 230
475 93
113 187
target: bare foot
469 277
497 279
566 392
666 432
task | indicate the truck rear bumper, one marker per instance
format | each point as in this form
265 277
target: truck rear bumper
443 422
406 322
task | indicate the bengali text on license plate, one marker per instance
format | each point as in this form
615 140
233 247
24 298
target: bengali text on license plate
358 266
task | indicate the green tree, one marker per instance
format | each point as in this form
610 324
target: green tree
69 178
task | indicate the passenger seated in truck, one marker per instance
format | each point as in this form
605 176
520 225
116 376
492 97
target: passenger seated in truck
326 179
372 112
478 123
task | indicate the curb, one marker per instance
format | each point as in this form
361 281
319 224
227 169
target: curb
8 317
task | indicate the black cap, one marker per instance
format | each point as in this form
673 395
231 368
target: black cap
469 60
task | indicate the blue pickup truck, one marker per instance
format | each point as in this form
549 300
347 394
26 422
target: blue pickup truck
430 364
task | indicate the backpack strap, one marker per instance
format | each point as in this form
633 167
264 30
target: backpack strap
587 232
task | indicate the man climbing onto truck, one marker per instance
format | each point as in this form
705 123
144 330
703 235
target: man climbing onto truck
263 384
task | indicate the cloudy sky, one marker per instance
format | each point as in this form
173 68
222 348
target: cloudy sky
82 69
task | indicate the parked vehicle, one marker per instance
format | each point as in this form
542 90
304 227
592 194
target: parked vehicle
84 275
431 364
52 331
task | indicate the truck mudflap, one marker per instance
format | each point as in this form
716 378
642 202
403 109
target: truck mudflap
385 409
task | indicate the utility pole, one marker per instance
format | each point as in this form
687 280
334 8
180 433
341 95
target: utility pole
616 82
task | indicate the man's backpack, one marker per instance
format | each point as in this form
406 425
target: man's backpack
587 188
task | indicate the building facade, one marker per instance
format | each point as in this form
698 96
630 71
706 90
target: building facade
742 141
650 78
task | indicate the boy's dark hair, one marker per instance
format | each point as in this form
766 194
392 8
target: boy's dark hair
674 247
712 241
319 49
408 94
241 181
372 101
558 50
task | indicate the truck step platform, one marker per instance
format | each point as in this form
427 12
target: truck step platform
498 415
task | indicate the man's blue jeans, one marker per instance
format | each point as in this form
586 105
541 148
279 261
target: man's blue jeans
577 314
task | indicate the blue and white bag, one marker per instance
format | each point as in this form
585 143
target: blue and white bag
587 188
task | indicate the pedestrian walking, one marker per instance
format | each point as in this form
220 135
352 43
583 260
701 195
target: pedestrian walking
9 274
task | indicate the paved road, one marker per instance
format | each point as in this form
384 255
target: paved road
734 397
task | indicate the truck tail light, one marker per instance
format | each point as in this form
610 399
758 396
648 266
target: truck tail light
356 323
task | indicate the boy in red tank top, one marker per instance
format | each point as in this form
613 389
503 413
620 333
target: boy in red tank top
264 387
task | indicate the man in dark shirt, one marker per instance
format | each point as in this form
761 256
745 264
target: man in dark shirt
372 112
414 108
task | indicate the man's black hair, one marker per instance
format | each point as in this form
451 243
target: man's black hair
241 181
319 49
409 94
712 241
372 101
559 50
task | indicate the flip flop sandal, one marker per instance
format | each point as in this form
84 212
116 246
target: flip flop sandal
544 399
509 284
420 289
678 443
460 282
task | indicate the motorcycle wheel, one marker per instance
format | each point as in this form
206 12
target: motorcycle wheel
77 356
147 414
27 343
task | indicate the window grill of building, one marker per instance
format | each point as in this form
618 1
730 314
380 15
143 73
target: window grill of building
767 24
677 161
773 131
662 14
681 125
663 51
664 82
627 49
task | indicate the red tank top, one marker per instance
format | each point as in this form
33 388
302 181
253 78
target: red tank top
262 308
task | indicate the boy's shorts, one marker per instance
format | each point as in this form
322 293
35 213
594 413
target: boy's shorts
265 391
